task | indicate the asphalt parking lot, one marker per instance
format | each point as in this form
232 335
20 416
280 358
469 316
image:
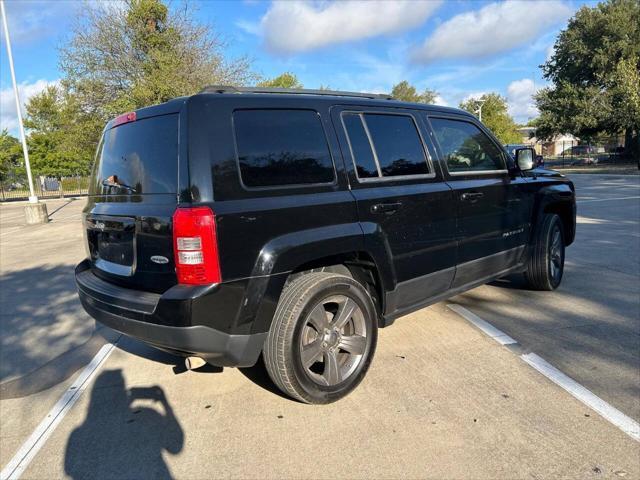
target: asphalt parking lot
442 399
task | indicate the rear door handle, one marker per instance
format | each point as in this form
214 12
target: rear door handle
471 196
387 208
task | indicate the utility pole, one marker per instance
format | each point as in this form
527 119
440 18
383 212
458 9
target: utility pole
35 211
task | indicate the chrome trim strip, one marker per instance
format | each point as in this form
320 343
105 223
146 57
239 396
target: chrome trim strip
476 172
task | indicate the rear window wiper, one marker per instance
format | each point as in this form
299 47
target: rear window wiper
112 181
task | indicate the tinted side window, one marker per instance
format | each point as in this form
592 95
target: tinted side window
385 145
282 147
397 144
360 146
465 147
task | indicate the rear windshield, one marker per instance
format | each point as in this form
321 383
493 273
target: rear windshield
138 157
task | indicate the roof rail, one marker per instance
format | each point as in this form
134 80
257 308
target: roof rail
299 91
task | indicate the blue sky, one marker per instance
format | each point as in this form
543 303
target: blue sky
459 48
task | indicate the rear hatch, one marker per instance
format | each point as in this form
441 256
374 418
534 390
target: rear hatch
132 197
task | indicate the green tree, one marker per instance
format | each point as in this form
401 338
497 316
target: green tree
495 116
285 80
595 75
10 154
58 139
406 92
120 57
142 53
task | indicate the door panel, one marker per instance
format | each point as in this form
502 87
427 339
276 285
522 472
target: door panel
414 211
490 205
419 231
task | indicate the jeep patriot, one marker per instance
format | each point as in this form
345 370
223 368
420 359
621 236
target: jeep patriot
243 222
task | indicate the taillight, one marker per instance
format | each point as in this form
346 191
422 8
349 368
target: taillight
195 246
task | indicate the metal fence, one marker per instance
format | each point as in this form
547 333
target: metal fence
15 187
565 153
588 159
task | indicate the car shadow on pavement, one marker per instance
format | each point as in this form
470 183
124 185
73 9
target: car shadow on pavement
515 281
142 350
258 374
41 321
125 432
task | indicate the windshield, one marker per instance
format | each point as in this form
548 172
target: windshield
139 157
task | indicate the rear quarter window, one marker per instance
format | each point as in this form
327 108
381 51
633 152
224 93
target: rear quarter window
281 148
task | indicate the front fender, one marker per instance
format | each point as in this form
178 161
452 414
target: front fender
559 195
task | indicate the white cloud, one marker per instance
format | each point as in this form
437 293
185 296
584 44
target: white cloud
8 115
472 96
252 28
440 101
520 99
30 22
551 50
496 27
368 73
298 26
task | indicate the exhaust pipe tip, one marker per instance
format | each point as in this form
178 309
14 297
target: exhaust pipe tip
192 363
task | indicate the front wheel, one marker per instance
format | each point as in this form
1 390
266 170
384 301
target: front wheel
546 264
322 338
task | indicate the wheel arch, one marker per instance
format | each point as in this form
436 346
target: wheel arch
566 212
359 265
560 200
337 248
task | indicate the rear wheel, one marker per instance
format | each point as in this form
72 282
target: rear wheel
546 264
322 338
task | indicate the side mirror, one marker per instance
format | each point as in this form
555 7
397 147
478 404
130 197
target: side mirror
524 158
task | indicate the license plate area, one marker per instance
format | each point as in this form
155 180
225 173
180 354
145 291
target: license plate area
112 244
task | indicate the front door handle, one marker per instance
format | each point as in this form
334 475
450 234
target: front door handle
387 208
471 196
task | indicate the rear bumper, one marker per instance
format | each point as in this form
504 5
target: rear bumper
165 321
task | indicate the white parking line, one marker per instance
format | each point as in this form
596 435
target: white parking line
606 199
590 399
20 461
498 335
586 396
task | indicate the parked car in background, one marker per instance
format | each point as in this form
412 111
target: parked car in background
293 224
582 150
511 150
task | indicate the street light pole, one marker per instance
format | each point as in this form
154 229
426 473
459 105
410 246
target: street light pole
479 110
34 214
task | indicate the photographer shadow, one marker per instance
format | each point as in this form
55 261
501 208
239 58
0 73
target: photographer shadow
124 433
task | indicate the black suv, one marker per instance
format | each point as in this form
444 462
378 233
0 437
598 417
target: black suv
294 224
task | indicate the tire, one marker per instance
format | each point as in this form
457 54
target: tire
308 355
546 263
